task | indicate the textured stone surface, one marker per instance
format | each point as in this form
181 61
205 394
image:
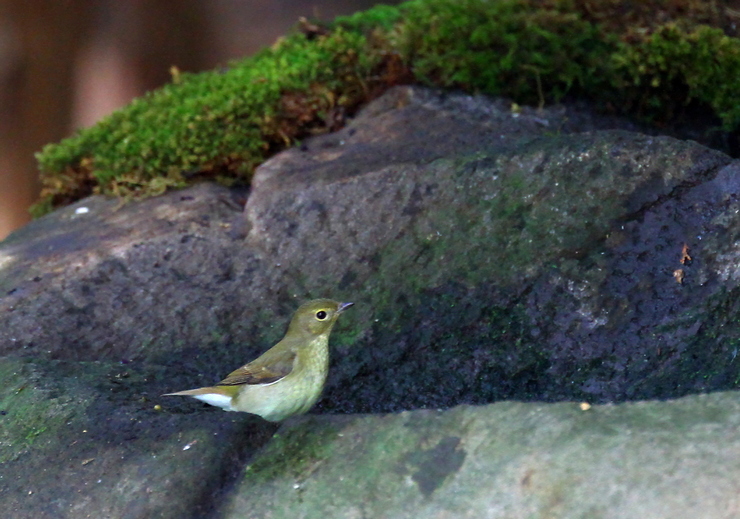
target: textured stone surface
645 459
491 256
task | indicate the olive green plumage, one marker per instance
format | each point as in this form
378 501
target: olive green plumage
288 378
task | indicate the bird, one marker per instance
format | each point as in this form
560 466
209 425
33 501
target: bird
288 378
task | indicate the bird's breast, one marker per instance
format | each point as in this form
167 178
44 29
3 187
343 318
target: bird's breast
295 393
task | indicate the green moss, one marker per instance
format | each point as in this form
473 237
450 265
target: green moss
294 453
378 18
29 413
217 124
221 124
318 446
505 47
673 67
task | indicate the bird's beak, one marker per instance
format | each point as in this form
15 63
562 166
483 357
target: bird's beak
343 307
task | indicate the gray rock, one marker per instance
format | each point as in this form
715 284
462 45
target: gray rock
641 459
536 256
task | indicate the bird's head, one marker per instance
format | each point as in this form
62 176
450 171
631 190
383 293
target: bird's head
316 317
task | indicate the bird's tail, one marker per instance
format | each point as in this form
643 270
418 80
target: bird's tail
220 396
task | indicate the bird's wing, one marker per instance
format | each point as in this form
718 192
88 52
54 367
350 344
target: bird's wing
264 370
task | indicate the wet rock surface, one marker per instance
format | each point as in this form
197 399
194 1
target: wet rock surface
533 256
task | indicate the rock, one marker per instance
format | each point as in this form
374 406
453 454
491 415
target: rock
640 459
491 255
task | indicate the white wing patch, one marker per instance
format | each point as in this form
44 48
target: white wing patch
222 401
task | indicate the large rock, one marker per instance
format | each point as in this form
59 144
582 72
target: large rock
651 460
491 255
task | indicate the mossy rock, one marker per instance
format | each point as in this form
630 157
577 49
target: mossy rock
223 123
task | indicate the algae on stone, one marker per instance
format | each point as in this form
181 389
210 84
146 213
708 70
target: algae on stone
28 412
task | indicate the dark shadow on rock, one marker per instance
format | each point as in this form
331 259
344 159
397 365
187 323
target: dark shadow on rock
121 454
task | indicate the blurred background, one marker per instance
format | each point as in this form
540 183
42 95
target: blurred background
66 63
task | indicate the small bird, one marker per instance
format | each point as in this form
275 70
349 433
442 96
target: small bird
288 378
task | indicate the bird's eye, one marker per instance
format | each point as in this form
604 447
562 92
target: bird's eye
320 315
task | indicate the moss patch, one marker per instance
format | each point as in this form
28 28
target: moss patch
294 453
217 125
221 124
28 412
